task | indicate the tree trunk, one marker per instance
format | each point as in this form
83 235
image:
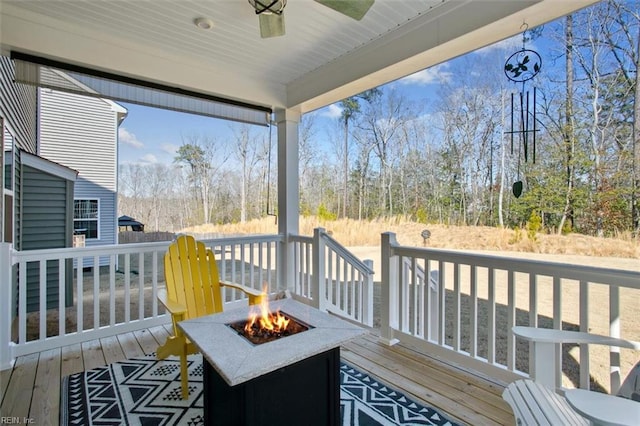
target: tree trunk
569 137
635 191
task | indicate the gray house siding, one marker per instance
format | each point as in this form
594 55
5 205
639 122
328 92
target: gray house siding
18 107
81 132
46 223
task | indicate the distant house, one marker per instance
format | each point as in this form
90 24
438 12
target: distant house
37 212
81 132
59 154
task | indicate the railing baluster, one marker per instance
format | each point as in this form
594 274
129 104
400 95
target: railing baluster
96 293
430 319
154 279
112 289
456 307
614 331
42 280
79 294
62 295
22 302
585 383
533 310
557 324
442 296
473 312
141 272
491 319
414 283
511 320
127 287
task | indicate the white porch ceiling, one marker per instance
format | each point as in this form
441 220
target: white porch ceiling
324 56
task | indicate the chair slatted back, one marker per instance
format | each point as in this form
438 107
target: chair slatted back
192 277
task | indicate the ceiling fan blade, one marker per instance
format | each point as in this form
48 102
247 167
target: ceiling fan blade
355 9
271 25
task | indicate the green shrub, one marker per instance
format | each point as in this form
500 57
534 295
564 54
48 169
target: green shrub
421 215
325 214
534 225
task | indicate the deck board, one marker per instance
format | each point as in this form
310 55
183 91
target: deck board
17 400
92 355
5 376
111 349
147 342
45 402
33 388
72 361
130 345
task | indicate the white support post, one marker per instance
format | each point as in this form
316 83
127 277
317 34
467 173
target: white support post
6 296
319 281
367 314
288 192
389 282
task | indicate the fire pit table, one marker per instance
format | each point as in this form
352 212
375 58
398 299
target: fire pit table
289 380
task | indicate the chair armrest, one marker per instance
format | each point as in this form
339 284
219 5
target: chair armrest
255 296
547 335
174 308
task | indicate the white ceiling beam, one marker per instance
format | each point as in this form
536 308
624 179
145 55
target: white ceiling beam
460 27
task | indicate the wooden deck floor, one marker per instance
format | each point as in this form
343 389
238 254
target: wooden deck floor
32 389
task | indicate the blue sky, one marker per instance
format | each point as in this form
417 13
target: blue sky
152 135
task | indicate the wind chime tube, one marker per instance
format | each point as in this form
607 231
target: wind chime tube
511 123
534 125
526 130
523 131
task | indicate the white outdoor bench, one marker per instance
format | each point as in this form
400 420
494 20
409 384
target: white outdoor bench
536 404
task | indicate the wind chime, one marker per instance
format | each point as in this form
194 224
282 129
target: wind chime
521 67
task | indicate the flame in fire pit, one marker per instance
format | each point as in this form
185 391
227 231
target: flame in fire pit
265 320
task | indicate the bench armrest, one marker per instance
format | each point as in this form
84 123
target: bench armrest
547 335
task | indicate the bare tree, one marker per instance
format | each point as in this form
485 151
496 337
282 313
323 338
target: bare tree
204 156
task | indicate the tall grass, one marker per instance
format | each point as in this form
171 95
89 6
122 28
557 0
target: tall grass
352 233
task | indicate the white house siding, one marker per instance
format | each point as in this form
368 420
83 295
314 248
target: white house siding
81 132
18 107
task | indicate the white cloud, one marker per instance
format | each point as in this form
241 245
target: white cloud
129 138
435 74
332 111
169 148
149 158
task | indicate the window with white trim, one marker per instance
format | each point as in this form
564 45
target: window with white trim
86 218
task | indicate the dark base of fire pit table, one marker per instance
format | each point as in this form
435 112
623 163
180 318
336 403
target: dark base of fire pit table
304 393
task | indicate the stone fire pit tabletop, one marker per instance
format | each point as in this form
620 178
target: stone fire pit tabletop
237 360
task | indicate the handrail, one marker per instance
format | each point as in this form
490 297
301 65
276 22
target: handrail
570 271
346 254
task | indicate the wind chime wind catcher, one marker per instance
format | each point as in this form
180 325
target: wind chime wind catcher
521 67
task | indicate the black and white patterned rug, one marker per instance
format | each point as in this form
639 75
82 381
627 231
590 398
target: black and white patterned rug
144 391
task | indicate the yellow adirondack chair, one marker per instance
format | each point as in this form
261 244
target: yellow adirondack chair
193 290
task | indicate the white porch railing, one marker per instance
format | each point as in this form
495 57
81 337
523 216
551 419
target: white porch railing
325 268
106 300
479 298
99 301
